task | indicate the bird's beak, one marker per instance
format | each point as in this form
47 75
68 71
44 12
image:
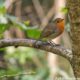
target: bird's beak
55 19
62 19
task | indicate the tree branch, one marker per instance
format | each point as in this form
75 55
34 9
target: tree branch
47 18
57 49
74 17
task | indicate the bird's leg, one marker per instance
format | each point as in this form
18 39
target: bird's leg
37 42
52 43
41 42
45 43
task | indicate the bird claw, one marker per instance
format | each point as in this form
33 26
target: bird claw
46 43
52 43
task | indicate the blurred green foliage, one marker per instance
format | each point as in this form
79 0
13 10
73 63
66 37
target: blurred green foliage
64 10
2 9
22 60
35 34
7 21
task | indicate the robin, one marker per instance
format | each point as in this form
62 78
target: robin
53 30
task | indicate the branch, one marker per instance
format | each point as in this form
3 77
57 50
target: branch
74 17
43 17
47 18
57 49
38 9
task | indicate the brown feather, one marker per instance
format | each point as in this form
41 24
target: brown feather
53 30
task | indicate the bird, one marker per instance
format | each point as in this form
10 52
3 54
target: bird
53 30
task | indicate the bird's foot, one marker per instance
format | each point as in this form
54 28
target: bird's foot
52 43
39 43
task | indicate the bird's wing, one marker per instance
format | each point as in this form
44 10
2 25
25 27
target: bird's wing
50 29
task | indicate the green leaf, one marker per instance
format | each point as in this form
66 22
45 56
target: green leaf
27 23
3 24
3 27
2 10
16 22
2 7
34 33
64 10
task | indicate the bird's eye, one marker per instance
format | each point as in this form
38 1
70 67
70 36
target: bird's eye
58 21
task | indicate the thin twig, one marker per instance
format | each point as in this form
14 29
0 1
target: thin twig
47 18
38 9
44 18
18 74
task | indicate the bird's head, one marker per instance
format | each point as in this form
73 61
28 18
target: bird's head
59 22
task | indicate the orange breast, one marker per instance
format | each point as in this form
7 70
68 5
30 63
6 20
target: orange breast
61 26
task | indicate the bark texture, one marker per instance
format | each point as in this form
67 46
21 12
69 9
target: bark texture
74 16
57 49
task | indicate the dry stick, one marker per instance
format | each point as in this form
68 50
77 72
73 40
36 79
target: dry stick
38 9
44 19
31 15
47 18
18 9
59 50
10 6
